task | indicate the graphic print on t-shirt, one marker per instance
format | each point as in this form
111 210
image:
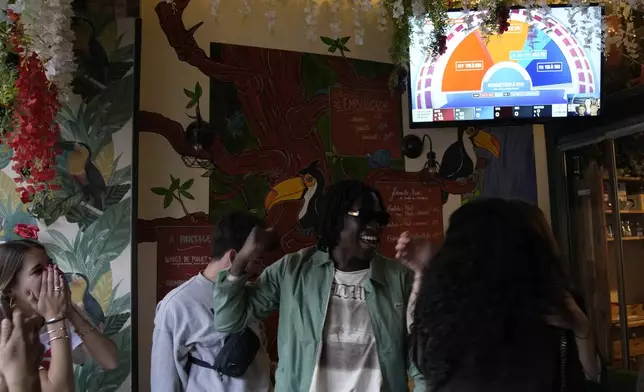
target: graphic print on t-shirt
348 358
348 346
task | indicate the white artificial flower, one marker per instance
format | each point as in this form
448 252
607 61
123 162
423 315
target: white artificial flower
214 7
271 18
418 8
47 27
311 10
358 36
335 25
398 9
245 8
360 8
382 17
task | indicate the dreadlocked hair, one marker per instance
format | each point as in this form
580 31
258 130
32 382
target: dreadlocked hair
485 293
336 203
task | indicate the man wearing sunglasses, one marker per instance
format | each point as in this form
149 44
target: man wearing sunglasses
342 306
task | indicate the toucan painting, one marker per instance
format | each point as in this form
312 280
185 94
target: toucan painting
79 286
308 186
460 161
81 168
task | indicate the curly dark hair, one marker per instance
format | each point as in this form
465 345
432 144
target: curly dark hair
486 291
336 203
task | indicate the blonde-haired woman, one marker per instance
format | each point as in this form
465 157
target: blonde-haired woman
32 283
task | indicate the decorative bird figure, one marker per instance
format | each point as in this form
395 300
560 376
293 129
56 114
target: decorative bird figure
81 168
308 185
460 161
79 287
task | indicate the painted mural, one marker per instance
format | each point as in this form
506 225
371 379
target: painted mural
85 225
283 126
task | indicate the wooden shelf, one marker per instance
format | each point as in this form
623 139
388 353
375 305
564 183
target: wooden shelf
631 238
633 321
636 348
627 179
627 211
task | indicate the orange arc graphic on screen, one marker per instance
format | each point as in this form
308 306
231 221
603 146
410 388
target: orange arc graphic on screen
471 52
500 46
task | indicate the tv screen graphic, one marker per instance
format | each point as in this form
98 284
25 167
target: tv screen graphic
543 67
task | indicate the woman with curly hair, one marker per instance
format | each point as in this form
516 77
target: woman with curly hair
493 310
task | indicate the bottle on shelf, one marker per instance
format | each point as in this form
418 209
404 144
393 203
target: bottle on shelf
626 229
609 231
639 231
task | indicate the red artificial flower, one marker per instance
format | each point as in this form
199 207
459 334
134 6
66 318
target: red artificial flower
35 133
25 230
26 194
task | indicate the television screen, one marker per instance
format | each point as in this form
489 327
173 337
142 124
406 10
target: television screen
549 66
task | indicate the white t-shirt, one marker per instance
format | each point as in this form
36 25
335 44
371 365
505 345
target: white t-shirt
348 357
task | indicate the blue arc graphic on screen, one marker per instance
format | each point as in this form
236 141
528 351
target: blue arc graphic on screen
549 78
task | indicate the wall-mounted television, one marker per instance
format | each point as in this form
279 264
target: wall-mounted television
547 65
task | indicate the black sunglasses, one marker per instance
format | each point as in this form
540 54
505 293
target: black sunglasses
367 216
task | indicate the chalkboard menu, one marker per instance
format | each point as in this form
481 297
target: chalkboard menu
365 122
182 252
413 207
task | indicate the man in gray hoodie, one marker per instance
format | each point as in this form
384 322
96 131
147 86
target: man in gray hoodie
185 341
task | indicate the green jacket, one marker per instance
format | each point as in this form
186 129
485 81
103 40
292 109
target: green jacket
299 285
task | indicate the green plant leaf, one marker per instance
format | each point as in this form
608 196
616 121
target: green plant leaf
344 48
333 48
186 185
174 183
59 255
105 239
111 380
189 93
328 40
82 215
115 193
120 176
60 205
191 104
160 191
186 194
60 239
167 200
123 54
114 323
120 304
344 40
6 153
198 91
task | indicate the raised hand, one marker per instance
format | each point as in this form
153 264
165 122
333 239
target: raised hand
414 253
247 260
52 302
20 352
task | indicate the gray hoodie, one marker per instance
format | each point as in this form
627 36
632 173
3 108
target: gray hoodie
184 326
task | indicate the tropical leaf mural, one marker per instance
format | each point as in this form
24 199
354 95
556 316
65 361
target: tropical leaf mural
86 224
